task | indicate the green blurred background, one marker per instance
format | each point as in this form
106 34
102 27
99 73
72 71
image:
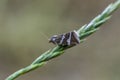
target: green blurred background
26 24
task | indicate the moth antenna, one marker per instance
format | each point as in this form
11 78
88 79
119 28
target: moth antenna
44 35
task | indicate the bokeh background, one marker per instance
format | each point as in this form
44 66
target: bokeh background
26 26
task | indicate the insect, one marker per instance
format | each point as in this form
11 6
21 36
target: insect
66 39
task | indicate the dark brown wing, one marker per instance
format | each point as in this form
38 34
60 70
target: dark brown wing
75 38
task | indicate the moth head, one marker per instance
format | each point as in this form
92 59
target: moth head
53 39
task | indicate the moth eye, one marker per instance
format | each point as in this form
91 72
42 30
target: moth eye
53 39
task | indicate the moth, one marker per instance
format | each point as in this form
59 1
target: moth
65 39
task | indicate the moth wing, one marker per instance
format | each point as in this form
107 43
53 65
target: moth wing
75 37
66 37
